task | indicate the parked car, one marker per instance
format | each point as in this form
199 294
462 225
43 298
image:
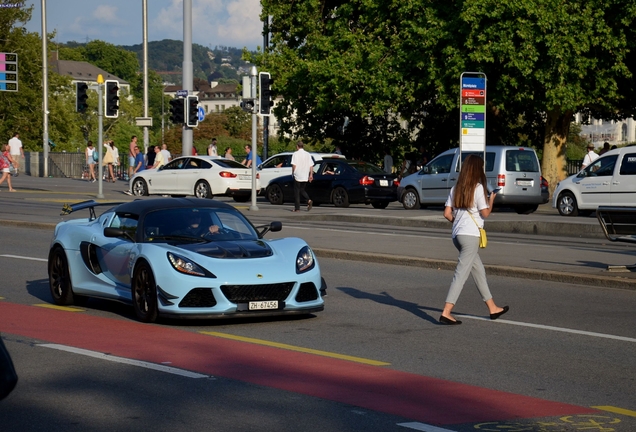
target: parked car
341 182
515 170
608 181
201 176
280 165
183 257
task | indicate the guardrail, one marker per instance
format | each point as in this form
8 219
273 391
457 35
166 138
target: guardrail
73 165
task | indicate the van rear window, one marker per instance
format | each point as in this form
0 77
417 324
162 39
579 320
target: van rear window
521 161
628 167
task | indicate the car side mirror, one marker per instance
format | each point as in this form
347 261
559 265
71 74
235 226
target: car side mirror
116 233
273 227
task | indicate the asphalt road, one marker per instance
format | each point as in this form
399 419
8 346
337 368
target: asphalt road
565 347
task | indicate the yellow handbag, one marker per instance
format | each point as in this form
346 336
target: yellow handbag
483 240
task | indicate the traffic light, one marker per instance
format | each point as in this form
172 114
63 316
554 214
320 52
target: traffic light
247 105
81 97
192 106
112 99
177 113
265 93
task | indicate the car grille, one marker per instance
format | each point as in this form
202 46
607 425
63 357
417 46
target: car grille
198 297
307 292
248 293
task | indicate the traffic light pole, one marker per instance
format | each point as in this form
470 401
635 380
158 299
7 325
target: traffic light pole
100 144
254 152
187 77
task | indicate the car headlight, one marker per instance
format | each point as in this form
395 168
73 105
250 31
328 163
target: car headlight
184 265
305 260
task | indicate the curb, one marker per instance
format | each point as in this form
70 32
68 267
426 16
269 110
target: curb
600 281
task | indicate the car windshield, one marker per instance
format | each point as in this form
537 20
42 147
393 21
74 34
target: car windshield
196 225
365 167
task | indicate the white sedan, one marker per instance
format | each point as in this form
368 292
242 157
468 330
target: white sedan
201 176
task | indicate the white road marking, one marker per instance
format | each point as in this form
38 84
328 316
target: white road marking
423 427
551 328
123 360
23 257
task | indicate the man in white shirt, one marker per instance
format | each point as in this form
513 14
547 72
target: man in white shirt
212 150
167 157
16 151
590 156
388 162
303 172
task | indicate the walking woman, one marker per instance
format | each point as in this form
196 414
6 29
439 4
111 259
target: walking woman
90 161
110 158
5 166
467 207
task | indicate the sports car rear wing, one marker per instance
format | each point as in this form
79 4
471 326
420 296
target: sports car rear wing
90 205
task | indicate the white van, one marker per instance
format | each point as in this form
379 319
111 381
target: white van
608 181
515 170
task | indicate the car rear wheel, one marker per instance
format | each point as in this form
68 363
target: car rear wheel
526 209
380 204
139 187
202 189
567 205
59 278
411 200
340 197
144 293
275 194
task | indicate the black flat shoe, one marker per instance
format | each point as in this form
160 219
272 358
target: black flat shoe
498 314
444 320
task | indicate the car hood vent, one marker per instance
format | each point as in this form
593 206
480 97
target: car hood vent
231 249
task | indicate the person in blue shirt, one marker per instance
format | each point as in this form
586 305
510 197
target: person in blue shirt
139 166
248 159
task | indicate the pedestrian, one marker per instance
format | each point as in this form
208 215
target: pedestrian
90 161
228 153
423 158
194 151
167 157
159 160
388 162
131 154
605 149
138 165
110 158
5 166
303 172
16 152
150 157
467 207
212 150
590 157
248 159
338 151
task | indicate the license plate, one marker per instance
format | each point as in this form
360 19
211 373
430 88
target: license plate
262 305
384 182
245 177
524 182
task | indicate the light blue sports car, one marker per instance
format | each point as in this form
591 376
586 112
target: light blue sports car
182 257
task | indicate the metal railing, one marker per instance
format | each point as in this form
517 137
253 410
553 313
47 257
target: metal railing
573 166
73 165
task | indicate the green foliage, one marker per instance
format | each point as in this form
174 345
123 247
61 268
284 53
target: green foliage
576 144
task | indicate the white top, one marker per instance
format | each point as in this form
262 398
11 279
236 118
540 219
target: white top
166 156
388 164
15 144
302 164
464 224
212 150
589 158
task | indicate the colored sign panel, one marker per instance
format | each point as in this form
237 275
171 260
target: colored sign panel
201 114
472 109
8 72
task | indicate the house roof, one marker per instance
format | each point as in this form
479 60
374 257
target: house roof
82 71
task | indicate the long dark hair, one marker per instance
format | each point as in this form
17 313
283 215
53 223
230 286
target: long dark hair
471 175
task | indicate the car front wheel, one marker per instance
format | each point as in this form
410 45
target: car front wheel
59 278
275 194
202 189
567 205
144 293
411 200
139 187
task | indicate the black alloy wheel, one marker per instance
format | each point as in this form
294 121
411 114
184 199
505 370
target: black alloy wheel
59 277
144 293
340 197
275 194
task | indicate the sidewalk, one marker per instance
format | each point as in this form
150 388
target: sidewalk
38 203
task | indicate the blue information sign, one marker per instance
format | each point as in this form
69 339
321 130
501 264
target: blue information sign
201 114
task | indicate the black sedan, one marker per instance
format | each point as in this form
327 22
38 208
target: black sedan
341 182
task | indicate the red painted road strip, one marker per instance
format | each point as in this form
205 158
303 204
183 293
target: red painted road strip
416 397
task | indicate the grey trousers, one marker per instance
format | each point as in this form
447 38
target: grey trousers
468 263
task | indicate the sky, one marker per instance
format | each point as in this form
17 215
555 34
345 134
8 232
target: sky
232 23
